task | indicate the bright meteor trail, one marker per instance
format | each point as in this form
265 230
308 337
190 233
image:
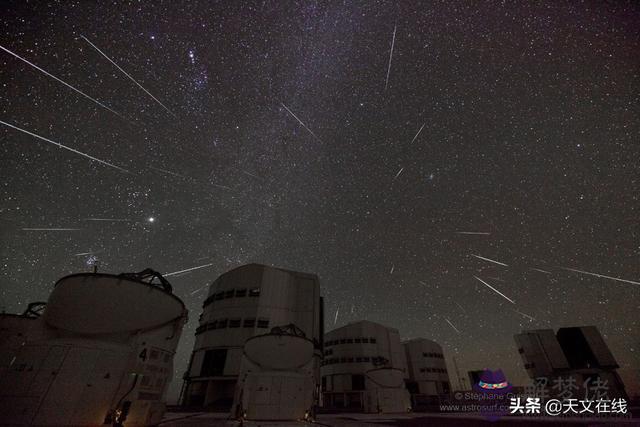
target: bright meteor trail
300 121
451 324
479 233
64 146
495 290
393 42
62 81
603 276
130 78
51 229
490 260
187 270
414 138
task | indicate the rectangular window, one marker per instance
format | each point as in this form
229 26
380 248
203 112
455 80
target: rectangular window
357 382
263 323
211 325
349 359
358 359
349 340
249 322
366 359
255 292
343 341
365 340
213 363
235 323
241 293
357 340
372 340
221 324
229 293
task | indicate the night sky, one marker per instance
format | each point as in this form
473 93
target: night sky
361 141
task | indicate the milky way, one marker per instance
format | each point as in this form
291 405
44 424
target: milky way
505 130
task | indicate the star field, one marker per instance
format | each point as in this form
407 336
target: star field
290 134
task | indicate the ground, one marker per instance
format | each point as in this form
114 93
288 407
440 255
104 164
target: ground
174 419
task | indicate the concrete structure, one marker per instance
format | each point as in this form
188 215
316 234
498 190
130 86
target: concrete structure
578 355
101 352
364 369
426 368
278 379
541 353
243 303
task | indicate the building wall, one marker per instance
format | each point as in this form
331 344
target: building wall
426 367
351 351
541 353
244 302
577 354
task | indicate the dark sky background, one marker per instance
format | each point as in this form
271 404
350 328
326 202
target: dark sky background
528 120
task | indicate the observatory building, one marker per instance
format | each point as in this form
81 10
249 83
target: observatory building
258 345
100 351
364 369
426 368
577 354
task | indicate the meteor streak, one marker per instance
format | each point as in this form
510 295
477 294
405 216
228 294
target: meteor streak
64 146
335 319
393 42
414 138
617 279
187 270
479 233
197 290
250 174
398 174
495 290
490 260
62 81
300 121
461 307
541 271
51 229
88 253
169 172
452 325
108 219
525 315
130 78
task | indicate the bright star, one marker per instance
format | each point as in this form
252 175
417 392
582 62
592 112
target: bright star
151 219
